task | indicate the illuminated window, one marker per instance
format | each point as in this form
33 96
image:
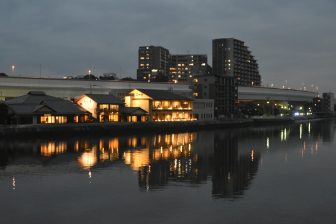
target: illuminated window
103 106
49 119
114 107
157 104
166 104
132 119
114 117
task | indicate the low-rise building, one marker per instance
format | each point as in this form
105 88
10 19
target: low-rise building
133 114
38 108
161 105
204 109
103 107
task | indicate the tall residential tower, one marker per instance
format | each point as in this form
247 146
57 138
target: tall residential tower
231 57
153 64
185 67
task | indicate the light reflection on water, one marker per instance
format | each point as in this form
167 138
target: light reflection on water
226 161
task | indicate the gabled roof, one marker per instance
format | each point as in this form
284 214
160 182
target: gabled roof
105 99
33 97
35 101
133 111
23 109
163 94
64 107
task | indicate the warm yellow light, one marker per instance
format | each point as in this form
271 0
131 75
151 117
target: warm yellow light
88 159
137 159
53 148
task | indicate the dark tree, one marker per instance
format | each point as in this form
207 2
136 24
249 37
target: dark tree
107 78
128 79
90 77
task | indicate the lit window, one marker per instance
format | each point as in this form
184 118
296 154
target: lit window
49 119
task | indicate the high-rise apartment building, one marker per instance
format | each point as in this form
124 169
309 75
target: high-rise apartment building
233 65
231 57
184 68
226 97
153 63
328 104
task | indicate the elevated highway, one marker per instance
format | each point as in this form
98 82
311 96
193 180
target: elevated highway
275 94
67 88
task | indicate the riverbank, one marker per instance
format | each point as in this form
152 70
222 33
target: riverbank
40 130
96 129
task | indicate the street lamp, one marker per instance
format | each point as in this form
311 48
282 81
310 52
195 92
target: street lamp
89 73
90 81
13 69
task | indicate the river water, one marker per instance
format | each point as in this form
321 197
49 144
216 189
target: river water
280 174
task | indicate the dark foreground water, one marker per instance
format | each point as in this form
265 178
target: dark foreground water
257 175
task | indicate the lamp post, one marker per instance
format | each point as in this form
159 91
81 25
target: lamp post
40 71
91 85
90 80
13 69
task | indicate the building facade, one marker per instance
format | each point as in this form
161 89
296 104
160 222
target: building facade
103 108
328 102
38 108
226 97
153 63
225 62
203 109
231 57
161 105
184 68
204 87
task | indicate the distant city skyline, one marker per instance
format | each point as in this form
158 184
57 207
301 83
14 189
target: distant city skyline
293 41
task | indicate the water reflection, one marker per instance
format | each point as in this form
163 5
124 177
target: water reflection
233 171
229 160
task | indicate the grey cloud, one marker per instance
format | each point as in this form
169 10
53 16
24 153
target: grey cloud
292 40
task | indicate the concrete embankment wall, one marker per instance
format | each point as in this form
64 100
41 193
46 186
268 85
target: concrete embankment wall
54 130
98 129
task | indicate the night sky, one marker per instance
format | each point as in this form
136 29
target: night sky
292 40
